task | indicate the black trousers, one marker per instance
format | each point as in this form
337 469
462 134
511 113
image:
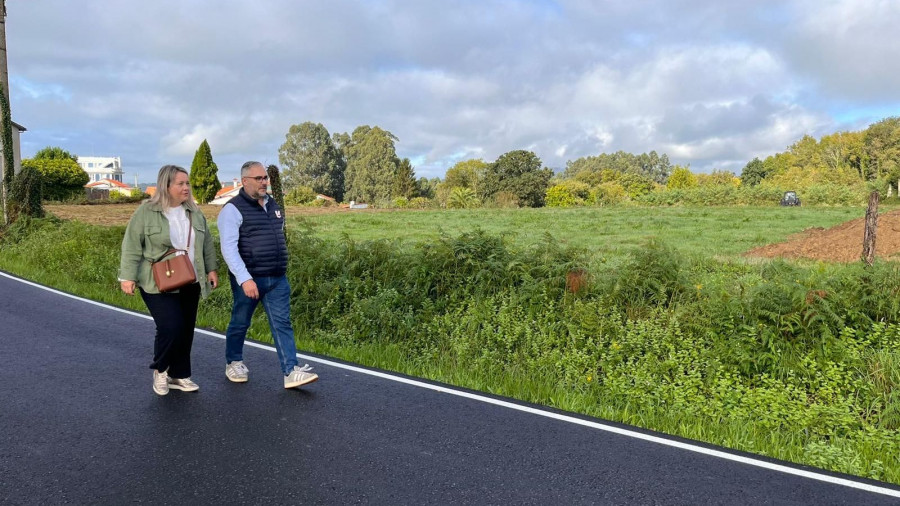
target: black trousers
175 315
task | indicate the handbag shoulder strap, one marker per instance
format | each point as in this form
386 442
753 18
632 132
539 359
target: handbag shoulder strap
176 250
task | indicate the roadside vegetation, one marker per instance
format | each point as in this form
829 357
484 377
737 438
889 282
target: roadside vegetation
648 317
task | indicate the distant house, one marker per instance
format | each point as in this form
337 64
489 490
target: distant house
227 193
102 167
151 190
111 185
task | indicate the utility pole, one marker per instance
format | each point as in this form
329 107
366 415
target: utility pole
4 81
4 73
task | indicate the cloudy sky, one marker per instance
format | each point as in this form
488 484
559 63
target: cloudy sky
712 84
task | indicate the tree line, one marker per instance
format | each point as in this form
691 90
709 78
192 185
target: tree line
363 166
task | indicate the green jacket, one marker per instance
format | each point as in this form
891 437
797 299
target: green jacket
147 238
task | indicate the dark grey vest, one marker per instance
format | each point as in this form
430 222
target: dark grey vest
261 241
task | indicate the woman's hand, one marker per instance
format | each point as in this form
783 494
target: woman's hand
213 279
127 287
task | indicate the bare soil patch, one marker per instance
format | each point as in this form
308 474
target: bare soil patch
841 243
119 214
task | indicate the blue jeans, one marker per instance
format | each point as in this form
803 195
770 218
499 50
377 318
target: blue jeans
275 294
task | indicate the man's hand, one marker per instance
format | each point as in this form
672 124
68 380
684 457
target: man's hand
127 287
213 279
250 289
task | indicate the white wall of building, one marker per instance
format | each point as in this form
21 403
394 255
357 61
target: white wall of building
102 167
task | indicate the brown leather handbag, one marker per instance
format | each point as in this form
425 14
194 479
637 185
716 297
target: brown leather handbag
175 272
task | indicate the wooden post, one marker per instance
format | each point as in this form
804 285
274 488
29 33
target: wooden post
868 253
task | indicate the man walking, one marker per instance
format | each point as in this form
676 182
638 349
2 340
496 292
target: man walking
251 227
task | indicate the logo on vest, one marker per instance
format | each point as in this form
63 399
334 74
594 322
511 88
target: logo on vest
278 213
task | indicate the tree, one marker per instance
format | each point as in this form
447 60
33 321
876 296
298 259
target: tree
54 153
754 172
404 180
63 178
311 158
275 184
681 178
466 174
882 148
654 166
807 155
717 178
427 188
371 164
519 173
635 185
650 165
204 175
844 151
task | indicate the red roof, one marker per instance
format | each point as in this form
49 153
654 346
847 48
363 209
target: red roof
223 191
110 182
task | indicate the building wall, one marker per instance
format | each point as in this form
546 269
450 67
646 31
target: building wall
17 157
102 167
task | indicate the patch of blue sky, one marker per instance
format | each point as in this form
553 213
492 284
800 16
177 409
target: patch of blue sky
776 13
870 114
39 91
639 39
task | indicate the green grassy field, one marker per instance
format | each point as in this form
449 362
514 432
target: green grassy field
670 328
606 231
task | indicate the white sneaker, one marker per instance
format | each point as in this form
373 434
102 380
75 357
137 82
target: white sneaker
300 376
237 372
160 382
183 384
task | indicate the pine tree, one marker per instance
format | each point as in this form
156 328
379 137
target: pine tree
275 184
404 180
204 175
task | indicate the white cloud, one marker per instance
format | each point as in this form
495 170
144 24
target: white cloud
711 84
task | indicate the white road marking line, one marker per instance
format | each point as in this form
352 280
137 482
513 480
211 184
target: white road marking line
526 409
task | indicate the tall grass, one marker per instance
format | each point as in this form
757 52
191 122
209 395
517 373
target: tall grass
797 361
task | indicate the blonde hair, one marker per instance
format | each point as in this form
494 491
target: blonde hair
166 177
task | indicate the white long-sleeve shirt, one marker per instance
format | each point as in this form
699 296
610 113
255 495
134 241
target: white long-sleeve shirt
229 223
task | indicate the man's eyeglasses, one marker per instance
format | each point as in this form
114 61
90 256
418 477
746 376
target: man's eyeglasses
258 179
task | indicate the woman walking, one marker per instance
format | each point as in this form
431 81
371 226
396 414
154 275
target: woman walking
168 220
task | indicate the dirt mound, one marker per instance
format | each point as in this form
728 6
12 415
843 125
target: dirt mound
841 243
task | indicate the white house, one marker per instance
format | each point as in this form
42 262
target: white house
17 157
226 193
102 167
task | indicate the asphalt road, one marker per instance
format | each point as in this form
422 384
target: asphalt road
79 424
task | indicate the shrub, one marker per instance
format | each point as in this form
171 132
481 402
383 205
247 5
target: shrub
607 194
559 196
25 195
568 193
299 195
62 178
116 197
681 178
504 199
462 198
421 203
